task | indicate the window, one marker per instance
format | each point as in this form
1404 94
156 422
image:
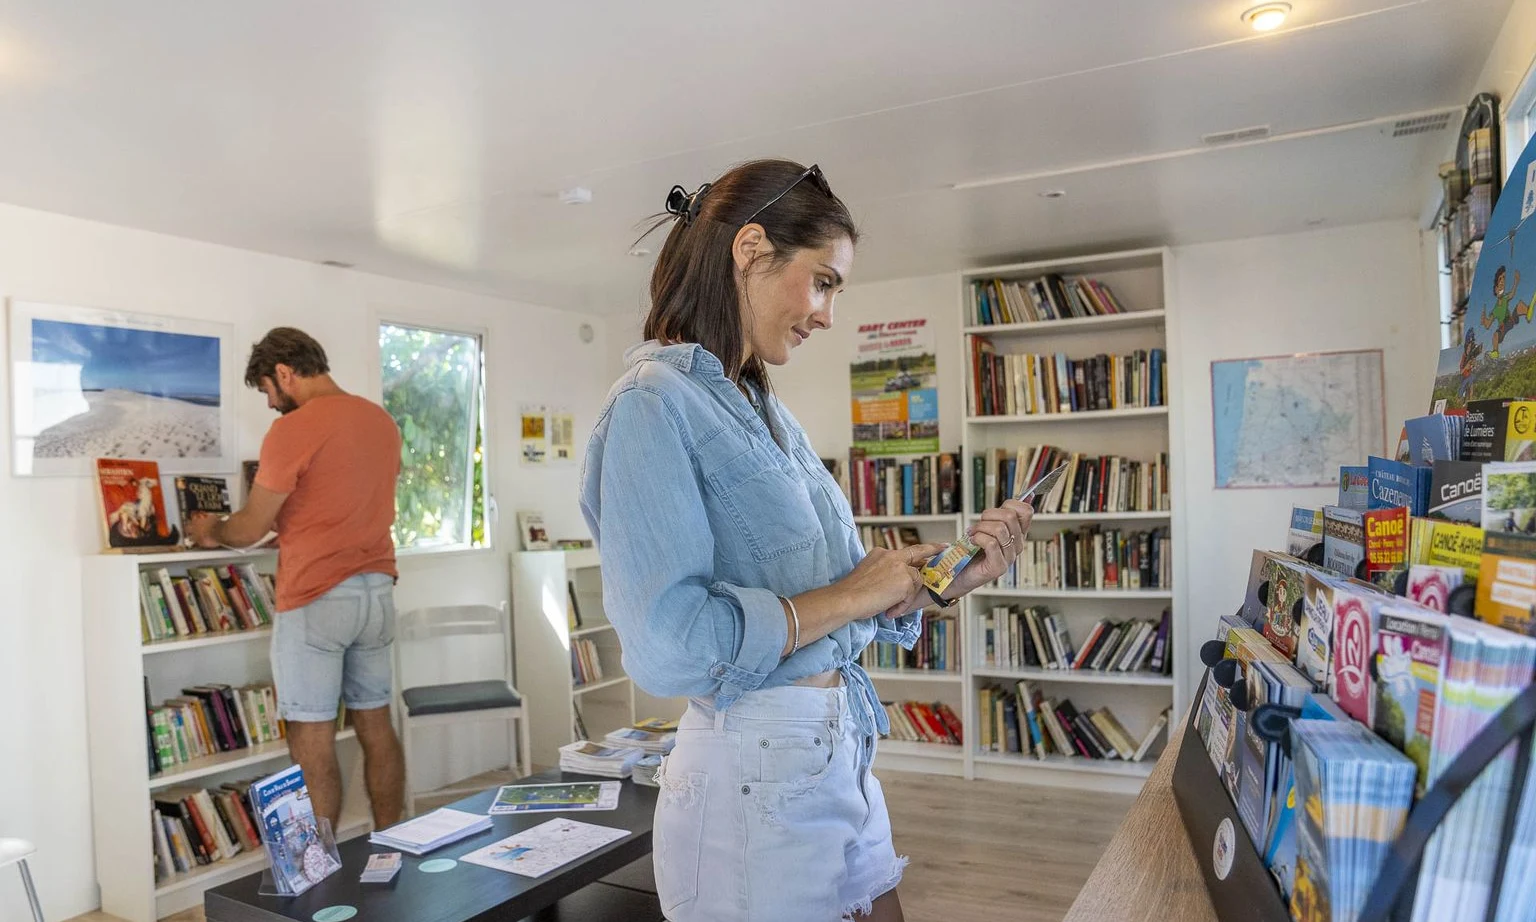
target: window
1520 119
434 386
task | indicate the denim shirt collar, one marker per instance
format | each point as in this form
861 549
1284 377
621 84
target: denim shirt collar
689 358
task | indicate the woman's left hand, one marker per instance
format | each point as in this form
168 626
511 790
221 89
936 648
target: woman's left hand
1000 533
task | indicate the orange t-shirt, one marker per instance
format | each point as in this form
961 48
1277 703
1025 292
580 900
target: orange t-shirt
337 457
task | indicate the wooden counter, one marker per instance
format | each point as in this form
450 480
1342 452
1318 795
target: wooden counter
1148 872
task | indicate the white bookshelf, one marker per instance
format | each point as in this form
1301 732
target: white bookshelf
1140 280
540 614
117 664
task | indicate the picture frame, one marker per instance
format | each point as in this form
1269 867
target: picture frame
88 383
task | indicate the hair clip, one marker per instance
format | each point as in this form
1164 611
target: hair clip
682 205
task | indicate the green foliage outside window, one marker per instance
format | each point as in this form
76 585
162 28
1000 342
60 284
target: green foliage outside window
433 387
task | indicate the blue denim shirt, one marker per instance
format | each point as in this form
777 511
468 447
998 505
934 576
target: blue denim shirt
703 521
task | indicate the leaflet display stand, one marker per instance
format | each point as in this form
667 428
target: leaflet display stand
1240 886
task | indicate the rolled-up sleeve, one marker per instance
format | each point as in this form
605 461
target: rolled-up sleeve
684 632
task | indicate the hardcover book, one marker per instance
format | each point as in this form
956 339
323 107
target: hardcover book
132 506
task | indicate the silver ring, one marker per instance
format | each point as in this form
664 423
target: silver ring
1009 543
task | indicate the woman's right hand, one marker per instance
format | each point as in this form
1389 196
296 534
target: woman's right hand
886 581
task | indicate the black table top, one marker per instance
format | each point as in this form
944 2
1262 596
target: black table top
467 891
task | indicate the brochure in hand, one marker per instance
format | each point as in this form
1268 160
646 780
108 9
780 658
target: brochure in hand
939 572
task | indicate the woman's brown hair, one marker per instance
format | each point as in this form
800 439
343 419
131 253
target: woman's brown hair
694 297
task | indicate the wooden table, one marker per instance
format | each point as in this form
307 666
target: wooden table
467 891
1149 870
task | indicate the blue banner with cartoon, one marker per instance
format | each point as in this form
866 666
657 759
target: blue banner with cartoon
1497 354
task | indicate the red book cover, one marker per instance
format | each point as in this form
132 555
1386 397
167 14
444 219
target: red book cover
132 506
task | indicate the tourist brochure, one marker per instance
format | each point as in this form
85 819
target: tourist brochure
939 572
550 798
537 851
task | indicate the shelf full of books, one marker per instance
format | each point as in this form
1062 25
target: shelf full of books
182 714
1066 361
1028 384
937 649
925 485
1093 483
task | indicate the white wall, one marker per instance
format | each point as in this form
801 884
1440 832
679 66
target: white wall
1345 288
533 354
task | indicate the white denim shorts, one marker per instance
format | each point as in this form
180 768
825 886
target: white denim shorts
769 812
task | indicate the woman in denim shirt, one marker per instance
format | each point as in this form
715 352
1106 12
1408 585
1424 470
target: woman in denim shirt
734 574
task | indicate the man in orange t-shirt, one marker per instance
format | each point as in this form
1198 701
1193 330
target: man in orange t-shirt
326 483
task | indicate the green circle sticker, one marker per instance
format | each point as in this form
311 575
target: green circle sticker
438 865
335 914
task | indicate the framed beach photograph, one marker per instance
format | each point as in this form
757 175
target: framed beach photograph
89 383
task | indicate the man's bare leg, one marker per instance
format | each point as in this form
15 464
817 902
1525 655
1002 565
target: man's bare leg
383 765
313 745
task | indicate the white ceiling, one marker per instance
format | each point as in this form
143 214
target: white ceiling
428 140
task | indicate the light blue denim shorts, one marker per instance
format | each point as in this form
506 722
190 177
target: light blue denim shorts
336 648
769 812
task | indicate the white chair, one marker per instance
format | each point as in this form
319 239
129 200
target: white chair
16 851
481 699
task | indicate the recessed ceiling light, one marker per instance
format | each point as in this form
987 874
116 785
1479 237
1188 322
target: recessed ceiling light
1054 193
576 195
639 252
1266 17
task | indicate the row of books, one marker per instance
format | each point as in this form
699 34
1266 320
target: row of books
1022 720
1025 384
1033 637
923 722
1093 557
209 719
206 600
937 648
926 485
1050 297
891 537
1092 483
586 665
193 827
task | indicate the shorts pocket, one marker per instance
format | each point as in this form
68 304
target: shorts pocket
796 757
332 623
677 836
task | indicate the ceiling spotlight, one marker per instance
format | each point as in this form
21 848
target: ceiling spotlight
576 195
639 252
1054 193
1266 17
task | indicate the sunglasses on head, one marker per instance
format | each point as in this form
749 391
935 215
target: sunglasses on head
813 173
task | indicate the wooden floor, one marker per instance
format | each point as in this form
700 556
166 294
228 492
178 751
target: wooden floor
980 851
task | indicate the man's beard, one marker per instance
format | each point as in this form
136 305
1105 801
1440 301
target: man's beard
285 404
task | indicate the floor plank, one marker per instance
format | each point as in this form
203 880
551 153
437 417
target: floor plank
976 847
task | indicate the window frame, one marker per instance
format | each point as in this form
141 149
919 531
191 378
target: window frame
1520 113
379 320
